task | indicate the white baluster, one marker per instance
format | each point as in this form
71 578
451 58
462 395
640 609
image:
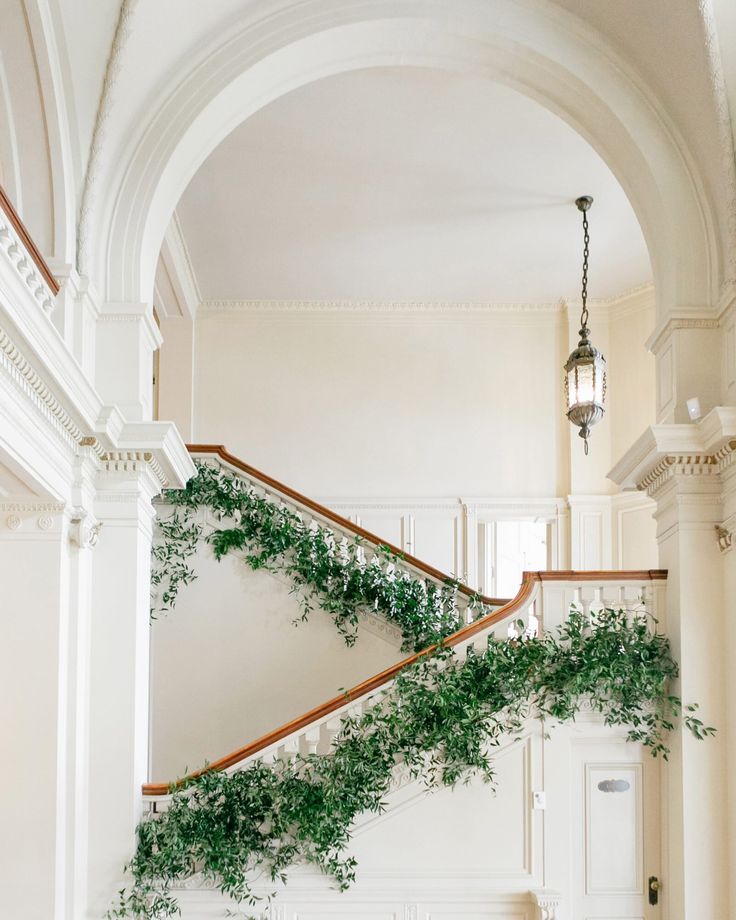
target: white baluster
577 601
597 604
331 729
584 604
532 625
311 738
289 749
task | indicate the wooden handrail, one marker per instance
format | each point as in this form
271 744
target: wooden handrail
529 579
6 205
220 451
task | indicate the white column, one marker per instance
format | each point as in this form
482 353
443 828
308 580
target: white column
686 470
119 679
126 339
34 630
696 854
684 347
726 534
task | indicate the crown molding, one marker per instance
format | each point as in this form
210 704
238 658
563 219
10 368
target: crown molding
683 318
378 307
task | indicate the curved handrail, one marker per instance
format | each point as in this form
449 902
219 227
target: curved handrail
17 224
529 581
221 451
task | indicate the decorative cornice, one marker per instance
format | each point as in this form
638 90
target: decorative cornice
112 72
378 307
24 264
33 387
133 461
31 507
687 465
682 319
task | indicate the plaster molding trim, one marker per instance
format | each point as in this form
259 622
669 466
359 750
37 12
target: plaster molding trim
84 529
133 461
726 537
32 386
682 465
548 904
681 319
23 265
723 116
30 507
107 97
633 300
688 465
379 307
139 314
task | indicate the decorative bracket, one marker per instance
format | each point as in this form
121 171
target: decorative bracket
548 904
725 537
84 529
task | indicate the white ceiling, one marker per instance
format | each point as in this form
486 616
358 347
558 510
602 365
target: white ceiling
406 184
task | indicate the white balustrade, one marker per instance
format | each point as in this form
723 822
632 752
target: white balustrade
549 598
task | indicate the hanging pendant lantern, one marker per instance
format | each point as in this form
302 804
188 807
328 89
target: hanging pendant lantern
585 370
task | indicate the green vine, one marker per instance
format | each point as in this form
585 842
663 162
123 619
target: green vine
440 721
323 571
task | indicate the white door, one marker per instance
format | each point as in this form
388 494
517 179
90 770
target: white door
615 832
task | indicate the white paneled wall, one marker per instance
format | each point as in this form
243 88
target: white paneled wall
487 543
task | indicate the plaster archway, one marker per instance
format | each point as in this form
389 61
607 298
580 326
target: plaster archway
533 47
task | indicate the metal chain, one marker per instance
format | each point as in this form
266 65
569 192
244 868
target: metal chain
586 253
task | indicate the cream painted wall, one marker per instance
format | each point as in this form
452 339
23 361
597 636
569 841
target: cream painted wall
385 404
631 371
232 662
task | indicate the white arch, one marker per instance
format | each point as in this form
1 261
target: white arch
533 47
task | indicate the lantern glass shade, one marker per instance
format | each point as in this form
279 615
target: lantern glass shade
586 382
585 387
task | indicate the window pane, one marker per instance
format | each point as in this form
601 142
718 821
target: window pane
520 546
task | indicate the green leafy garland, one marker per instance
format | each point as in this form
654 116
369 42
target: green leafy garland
323 572
440 719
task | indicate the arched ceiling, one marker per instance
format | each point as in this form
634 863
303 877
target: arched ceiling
406 184
663 44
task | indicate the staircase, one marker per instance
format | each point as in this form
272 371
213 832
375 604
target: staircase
543 602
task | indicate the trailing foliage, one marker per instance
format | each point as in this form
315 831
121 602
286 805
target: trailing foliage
332 575
440 721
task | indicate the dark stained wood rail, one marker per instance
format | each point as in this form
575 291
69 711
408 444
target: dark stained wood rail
6 206
384 677
218 450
